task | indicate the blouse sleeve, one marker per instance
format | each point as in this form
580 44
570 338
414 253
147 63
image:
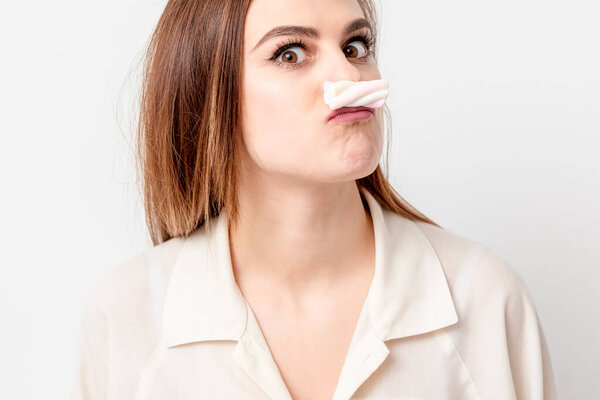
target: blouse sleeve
91 370
528 353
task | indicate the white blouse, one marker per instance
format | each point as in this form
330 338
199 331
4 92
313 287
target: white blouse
445 318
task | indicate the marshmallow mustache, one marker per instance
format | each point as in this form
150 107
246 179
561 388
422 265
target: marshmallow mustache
355 94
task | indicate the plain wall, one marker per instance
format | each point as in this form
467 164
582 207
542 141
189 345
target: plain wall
496 125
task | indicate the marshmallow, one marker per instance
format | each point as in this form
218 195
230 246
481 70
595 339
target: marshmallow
354 94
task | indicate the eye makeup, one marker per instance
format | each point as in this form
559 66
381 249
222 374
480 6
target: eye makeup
365 37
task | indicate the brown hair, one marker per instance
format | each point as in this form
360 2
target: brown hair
189 116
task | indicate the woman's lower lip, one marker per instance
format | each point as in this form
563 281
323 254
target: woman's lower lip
351 116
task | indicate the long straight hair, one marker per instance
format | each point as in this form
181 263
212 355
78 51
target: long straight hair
189 116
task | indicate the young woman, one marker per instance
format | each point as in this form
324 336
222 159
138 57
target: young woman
284 265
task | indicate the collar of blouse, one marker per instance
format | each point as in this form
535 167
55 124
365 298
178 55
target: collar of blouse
409 295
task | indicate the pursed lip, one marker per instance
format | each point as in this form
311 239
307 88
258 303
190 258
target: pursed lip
343 110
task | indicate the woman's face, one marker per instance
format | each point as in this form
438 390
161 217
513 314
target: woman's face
285 127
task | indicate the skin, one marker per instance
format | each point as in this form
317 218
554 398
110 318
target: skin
303 254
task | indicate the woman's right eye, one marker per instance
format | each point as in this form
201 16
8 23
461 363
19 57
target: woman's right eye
289 58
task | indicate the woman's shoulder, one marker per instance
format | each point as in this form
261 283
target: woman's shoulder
468 262
499 335
121 320
134 281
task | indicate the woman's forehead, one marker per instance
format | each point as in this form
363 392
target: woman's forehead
301 12
265 17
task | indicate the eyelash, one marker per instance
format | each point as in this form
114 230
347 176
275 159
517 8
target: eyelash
366 38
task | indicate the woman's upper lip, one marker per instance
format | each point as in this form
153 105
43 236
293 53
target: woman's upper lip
342 110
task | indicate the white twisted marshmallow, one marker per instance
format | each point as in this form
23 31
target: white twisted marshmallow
354 94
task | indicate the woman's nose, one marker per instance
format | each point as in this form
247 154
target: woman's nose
338 67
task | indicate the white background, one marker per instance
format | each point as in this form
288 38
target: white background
496 124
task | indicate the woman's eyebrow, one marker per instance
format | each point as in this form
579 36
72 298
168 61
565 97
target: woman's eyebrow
307 31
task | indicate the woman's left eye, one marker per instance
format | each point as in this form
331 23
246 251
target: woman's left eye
365 46
359 47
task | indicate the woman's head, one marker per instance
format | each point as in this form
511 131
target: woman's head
217 98
290 48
